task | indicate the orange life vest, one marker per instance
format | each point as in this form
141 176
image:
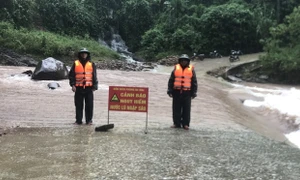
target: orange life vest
83 75
183 77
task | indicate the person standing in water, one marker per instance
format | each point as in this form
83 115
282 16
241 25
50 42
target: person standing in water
182 87
83 80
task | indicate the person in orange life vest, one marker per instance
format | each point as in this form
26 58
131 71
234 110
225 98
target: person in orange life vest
83 80
182 87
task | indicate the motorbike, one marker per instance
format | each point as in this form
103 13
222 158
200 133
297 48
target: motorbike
198 57
215 54
234 56
238 52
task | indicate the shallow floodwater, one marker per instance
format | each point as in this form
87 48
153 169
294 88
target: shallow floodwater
227 140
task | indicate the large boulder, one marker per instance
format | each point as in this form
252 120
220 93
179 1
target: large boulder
50 69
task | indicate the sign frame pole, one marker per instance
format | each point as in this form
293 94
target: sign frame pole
147 113
146 129
124 98
107 116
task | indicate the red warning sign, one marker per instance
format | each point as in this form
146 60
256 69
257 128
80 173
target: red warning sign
122 98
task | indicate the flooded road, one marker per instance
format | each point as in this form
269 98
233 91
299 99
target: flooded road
226 141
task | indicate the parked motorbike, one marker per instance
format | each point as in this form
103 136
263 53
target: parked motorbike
215 54
198 57
234 56
238 52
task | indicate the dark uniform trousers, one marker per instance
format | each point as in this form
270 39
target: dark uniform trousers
84 96
181 108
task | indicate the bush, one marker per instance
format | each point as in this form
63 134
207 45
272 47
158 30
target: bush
283 49
48 44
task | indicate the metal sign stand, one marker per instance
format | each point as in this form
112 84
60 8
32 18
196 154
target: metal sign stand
147 99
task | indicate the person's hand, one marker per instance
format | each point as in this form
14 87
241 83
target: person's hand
194 95
73 88
94 88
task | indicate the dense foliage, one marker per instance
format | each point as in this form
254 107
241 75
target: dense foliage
47 44
283 49
135 19
156 28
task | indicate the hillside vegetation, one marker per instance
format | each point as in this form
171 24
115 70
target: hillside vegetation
153 29
45 44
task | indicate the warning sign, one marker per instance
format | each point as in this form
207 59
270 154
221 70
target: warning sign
123 98
115 98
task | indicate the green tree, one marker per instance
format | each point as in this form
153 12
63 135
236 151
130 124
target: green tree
153 43
283 49
21 13
229 26
69 17
179 30
105 18
135 20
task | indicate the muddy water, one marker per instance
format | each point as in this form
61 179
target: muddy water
224 141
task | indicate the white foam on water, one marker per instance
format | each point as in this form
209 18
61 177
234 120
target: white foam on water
286 101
